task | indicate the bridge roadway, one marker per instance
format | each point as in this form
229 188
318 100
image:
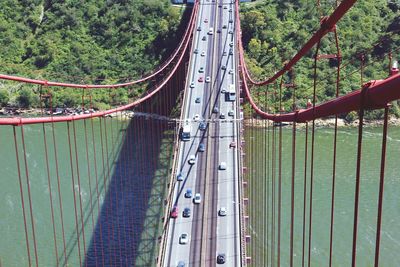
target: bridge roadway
209 234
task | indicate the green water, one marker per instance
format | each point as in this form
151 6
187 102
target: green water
135 192
260 187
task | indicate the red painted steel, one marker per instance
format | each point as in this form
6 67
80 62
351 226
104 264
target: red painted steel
22 121
326 26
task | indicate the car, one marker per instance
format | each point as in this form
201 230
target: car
218 31
225 7
215 110
174 212
230 32
230 10
186 212
231 52
231 21
231 113
222 166
224 54
206 21
223 67
221 258
202 126
197 198
181 264
196 117
208 79
232 145
192 159
231 44
202 147
204 38
230 71
219 5
196 51
192 85
222 116
188 193
222 211
203 54
224 27
223 91
199 28
201 70
184 239
197 100
200 80
179 177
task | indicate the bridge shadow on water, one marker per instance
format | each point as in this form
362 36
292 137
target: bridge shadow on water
127 228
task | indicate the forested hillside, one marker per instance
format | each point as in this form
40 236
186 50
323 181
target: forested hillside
91 41
274 30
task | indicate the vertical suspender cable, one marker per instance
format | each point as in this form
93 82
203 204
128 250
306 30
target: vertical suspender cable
73 192
59 192
266 237
29 195
339 59
107 220
97 188
90 191
78 175
381 186
312 155
358 169
305 192
280 175
111 214
22 197
293 182
50 192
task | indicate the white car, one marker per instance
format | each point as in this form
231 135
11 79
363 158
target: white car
231 113
192 85
222 166
222 211
184 239
208 79
203 54
196 117
197 198
230 71
192 159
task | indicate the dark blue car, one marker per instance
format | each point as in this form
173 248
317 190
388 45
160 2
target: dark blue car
188 193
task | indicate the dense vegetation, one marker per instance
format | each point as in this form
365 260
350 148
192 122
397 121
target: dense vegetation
273 30
92 41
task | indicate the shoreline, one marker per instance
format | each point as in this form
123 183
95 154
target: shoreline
323 123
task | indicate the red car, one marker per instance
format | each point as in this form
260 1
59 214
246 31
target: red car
200 79
206 20
174 212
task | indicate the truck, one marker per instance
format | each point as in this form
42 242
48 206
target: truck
185 132
230 95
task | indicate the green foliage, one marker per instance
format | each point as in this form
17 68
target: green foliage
274 30
93 41
26 98
4 97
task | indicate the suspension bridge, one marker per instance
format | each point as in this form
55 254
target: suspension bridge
173 179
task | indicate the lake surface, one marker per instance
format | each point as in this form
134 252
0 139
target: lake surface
260 192
109 208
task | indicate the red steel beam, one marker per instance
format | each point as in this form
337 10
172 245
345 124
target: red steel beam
377 94
35 120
